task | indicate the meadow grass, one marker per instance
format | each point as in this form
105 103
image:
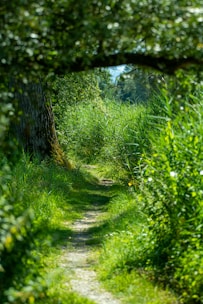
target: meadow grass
121 237
150 238
57 197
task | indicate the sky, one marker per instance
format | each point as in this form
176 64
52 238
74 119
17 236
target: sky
115 71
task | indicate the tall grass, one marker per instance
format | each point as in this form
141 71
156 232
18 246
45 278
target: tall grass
165 242
106 132
153 230
157 150
45 199
172 197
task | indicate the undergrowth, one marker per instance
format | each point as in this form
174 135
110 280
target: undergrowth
150 242
122 235
45 198
156 150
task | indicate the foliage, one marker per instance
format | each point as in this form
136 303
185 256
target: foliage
17 249
105 83
138 85
105 131
75 88
17 231
70 36
172 193
36 198
7 143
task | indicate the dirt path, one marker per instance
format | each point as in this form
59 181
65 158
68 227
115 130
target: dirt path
78 260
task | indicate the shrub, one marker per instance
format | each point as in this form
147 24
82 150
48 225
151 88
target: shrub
172 193
82 131
20 278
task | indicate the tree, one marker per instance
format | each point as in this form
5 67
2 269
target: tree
59 36
137 85
36 134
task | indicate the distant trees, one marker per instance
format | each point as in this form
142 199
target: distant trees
136 85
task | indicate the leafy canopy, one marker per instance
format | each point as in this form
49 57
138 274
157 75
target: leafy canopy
68 35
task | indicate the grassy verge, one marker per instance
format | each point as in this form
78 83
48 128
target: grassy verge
58 197
55 198
121 238
157 150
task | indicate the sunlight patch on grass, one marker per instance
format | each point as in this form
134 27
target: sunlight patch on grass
134 288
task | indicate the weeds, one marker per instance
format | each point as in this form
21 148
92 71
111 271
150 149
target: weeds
153 229
172 194
157 152
44 196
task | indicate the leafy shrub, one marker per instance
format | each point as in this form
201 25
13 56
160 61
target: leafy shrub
82 131
20 278
106 132
172 192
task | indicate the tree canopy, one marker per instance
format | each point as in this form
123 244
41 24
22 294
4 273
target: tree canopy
68 35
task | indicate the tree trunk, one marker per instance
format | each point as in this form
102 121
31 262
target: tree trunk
35 130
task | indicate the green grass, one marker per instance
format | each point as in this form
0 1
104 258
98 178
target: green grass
120 237
136 288
57 197
150 238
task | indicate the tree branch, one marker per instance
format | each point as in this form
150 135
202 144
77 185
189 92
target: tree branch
61 66
162 64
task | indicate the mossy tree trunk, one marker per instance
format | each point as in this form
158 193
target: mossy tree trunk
35 130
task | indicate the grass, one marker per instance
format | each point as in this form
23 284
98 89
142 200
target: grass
136 288
121 239
151 230
59 197
124 240
157 150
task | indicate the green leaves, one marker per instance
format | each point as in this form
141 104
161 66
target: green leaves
68 36
172 193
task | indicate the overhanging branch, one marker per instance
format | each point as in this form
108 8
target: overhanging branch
62 65
159 63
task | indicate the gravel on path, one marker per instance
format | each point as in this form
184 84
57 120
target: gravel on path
78 260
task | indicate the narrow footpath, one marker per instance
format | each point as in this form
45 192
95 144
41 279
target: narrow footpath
78 260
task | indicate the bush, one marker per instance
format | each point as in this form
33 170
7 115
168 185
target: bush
82 131
20 277
172 192
106 132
